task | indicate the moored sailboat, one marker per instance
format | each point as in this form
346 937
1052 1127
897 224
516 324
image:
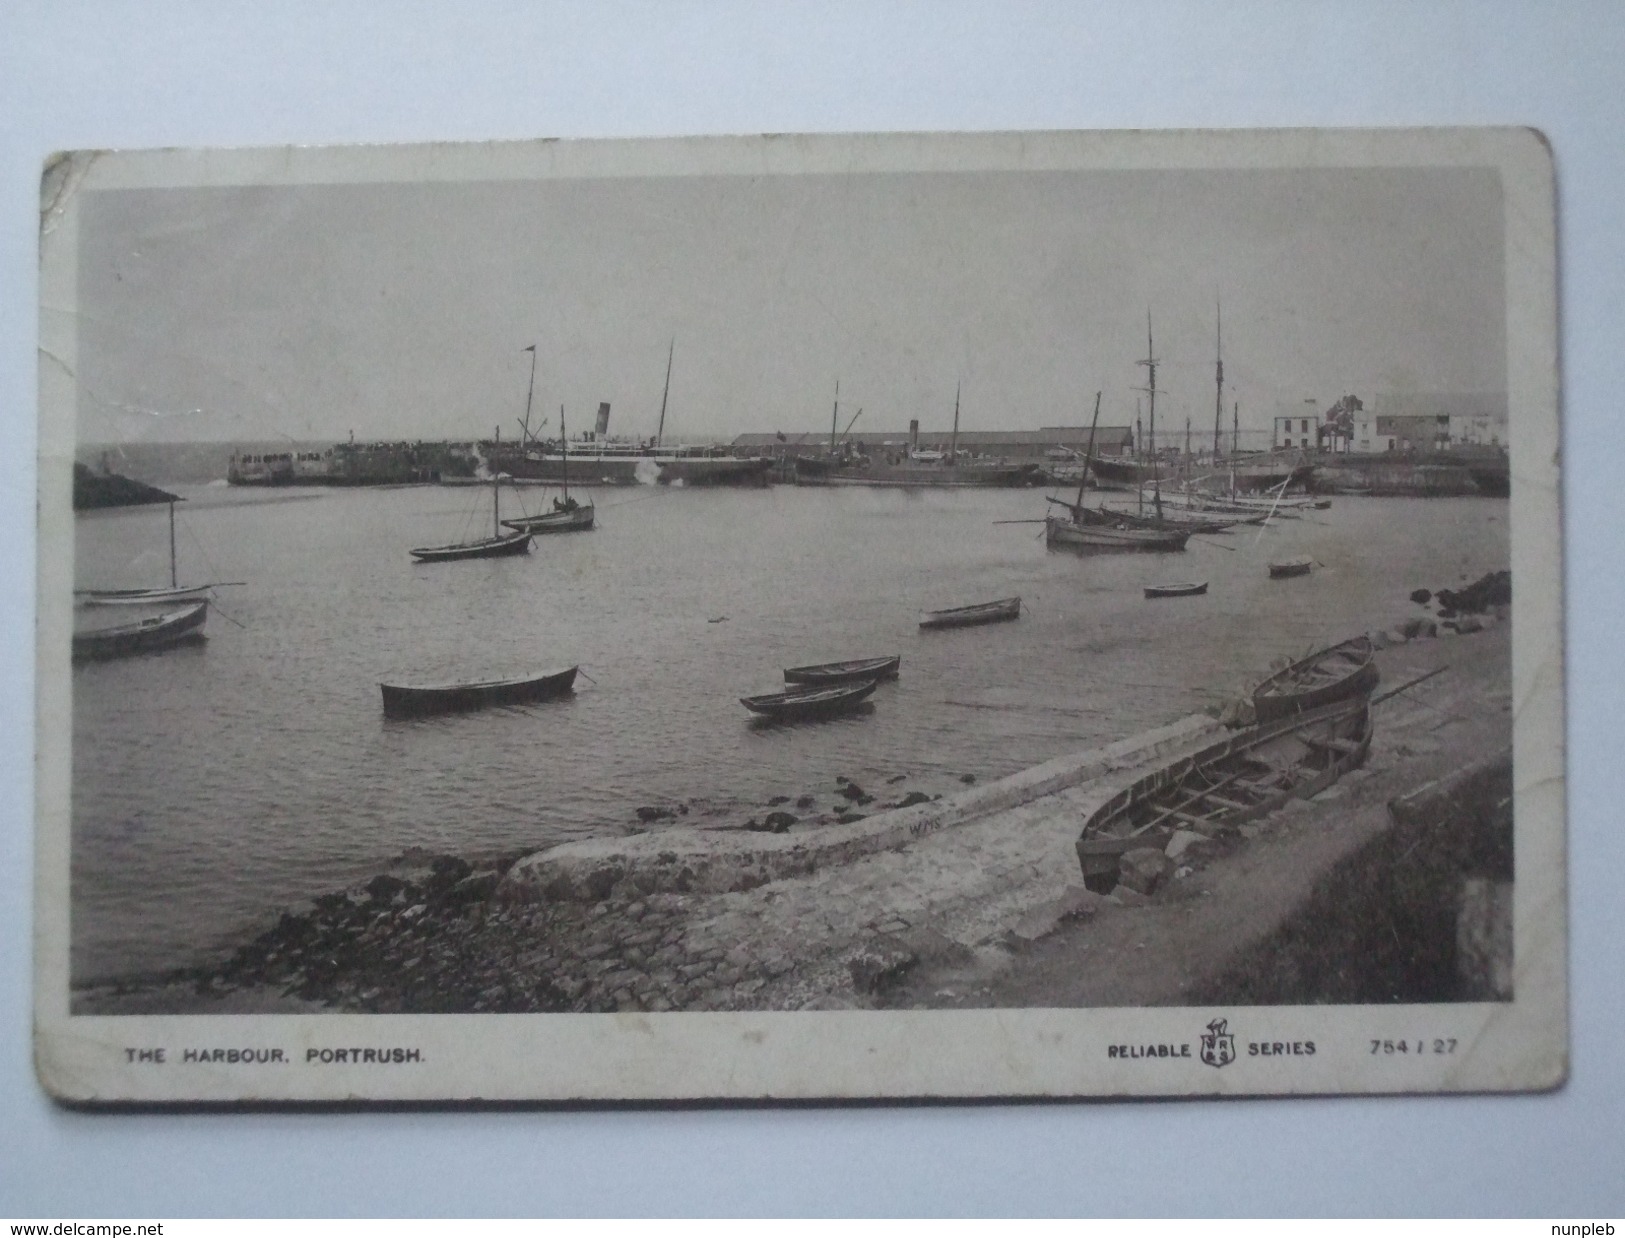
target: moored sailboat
498 545
161 596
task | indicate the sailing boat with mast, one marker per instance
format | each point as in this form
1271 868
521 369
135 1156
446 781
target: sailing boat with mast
499 544
568 515
1097 529
176 592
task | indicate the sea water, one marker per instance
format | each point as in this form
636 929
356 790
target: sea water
215 783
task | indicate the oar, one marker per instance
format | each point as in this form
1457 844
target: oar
1404 686
586 676
1039 521
1231 549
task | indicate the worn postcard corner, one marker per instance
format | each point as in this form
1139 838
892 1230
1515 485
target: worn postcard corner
874 616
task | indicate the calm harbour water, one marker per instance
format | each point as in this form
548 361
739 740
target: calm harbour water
217 783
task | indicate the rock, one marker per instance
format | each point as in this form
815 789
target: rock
776 800
1427 630
1078 903
895 778
1143 869
847 818
853 792
1186 841
913 798
450 869
968 779
1396 636
650 812
779 822
1081 903
383 888
1410 627
878 966
1378 639
805 801
1469 623
1421 596
475 888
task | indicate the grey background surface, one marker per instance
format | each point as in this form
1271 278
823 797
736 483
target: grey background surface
230 74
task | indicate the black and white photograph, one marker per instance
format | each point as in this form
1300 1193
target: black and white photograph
968 615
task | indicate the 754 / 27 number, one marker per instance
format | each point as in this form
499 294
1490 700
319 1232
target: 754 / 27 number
1443 1045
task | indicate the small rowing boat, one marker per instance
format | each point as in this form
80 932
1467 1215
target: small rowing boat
155 632
1211 792
418 700
801 704
1327 675
844 672
1291 567
1185 589
967 616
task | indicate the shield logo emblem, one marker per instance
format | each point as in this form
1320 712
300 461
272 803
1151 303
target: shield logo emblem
1218 1045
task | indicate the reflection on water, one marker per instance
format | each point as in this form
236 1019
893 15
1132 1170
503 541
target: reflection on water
212 784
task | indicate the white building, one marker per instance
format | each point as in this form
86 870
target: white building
1430 421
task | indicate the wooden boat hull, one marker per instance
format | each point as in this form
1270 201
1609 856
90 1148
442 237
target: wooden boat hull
810 703
845 672
1184 590
1327 675
422 700
158 632
517 543
1070 536
143 597
1173 519
969 616
1236 779
573 521
1292 567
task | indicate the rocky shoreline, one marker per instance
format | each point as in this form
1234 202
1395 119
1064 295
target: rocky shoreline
826 897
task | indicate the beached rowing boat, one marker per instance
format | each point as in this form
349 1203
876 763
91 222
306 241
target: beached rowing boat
1327 675
966 616
417 700
844 672
1245 775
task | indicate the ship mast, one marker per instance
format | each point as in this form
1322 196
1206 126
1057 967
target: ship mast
524 428
172 582
1218 376
953 443
660 430
834 416
1150 364
1088 461
564 445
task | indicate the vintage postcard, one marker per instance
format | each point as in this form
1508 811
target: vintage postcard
801 617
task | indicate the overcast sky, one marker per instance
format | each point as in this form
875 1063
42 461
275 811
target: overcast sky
402 310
